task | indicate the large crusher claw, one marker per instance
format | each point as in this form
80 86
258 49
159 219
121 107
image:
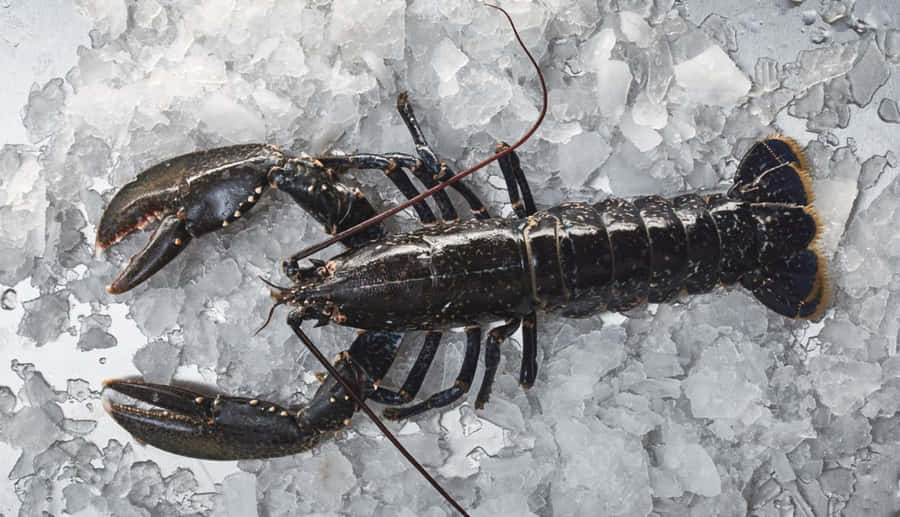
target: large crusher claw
191 194
213 427
220 427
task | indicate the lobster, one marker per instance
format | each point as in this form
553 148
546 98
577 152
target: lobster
575 259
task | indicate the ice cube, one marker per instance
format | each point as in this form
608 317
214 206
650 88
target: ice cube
868 74
712 77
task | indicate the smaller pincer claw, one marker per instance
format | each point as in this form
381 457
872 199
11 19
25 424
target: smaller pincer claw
215 427
191 195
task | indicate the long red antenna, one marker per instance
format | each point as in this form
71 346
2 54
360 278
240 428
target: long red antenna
437 188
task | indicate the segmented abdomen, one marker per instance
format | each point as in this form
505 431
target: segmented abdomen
619 253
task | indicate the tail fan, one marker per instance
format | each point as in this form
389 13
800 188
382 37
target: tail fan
792 279
796 287
773 170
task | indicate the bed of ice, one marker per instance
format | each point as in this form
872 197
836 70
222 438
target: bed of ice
713 406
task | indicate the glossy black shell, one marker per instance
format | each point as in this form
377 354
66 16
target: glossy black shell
576 259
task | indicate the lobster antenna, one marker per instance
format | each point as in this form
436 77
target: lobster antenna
269 317
272 284
277 303
437 188
357 398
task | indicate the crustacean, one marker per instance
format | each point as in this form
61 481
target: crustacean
575 259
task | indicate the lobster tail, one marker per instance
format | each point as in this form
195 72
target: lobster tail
792 279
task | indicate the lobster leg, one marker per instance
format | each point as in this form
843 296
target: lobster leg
391 169
449 395
415 165
529 351
496 337
516 181
429 174
427 170
439 170
416 375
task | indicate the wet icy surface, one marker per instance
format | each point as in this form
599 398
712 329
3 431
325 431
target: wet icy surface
713 406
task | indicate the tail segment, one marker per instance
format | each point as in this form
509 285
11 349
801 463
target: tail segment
792 279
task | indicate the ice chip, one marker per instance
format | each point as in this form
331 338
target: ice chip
7 400
9 299
77 497
239 490
157 310
725 383
712 77
44 109
45 318
157 361
620 488
448 60
377 26
647 113
693 467
643 137
231 119
888 111
834 203
869 73
481 96
635 28
287 58
892 45
613 78
582 154
843 384
765 75
819 65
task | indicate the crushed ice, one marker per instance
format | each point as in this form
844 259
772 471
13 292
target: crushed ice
712 406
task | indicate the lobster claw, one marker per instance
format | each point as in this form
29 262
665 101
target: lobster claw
220 427
192 194
215 427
